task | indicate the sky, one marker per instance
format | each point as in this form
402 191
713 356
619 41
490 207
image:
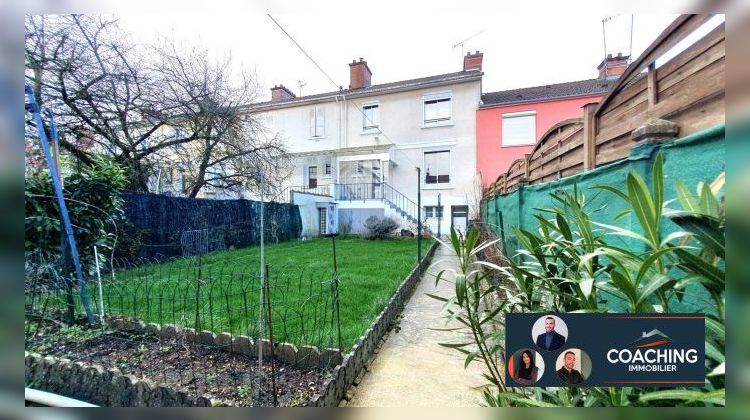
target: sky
520 49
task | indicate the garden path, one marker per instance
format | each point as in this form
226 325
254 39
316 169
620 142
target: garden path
411 369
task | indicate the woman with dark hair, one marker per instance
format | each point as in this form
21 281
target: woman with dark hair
526 373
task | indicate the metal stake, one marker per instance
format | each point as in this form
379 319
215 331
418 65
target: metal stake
270 338
99 279
419 217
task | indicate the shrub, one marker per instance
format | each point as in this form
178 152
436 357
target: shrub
566 264
92 197
377 228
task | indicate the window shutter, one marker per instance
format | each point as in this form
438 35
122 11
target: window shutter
312 122
519 130
319 122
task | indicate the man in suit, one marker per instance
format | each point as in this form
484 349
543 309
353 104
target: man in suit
550 339
567 373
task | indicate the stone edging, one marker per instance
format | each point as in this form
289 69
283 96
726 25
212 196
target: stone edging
104 387
354 362
304 357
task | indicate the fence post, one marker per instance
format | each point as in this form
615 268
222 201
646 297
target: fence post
589 135
653 92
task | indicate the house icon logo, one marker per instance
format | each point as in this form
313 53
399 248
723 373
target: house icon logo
654 338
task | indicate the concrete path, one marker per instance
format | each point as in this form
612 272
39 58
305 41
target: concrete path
411 369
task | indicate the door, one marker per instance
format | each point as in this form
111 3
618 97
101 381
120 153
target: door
322 220
460 218
312 177
376 179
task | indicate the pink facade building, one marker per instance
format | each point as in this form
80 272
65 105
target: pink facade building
511 122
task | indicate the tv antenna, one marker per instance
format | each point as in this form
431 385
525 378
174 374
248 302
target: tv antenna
461 43
301 84
608 19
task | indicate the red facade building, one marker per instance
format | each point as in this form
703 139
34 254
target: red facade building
510 122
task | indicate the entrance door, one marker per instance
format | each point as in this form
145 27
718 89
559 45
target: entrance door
460 218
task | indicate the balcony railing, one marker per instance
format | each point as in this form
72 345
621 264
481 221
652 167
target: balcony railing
380 191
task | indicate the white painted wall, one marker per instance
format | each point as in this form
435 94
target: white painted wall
308 211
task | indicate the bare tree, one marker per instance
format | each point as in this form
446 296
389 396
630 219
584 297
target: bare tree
232 144
146 105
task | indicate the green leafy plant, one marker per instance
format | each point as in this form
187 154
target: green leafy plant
471 306
572 263
92 196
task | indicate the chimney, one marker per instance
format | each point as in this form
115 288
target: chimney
613 66
359 74
473 61
281 93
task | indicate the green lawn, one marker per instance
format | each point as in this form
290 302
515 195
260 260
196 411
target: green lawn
300 274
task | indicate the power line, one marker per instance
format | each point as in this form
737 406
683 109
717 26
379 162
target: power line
380 131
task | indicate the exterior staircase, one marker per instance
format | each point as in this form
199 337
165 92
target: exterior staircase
393 198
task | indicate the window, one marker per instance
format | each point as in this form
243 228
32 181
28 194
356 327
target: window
437 167
437 107
360 166
312 177
433 211
317 122
519 129
371 119
328 169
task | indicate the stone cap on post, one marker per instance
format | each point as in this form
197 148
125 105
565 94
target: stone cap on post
655 130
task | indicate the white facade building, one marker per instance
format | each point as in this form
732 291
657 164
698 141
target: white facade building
361 146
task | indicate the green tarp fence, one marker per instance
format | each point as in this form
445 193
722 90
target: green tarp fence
691 159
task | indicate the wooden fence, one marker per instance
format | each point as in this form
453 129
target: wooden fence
687 90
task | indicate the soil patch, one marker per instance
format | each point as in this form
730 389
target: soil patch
198 370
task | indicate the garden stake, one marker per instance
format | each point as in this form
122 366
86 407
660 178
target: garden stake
419 219
270 339
99 280
335 287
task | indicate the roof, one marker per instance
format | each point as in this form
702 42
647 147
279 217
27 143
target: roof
459 76
547 92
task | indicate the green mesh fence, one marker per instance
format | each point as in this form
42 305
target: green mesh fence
692 159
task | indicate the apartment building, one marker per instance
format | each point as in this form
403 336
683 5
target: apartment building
361 146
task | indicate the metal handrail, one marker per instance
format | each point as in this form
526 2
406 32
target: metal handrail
376 191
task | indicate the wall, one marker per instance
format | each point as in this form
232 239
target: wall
493 158
692 159
308 211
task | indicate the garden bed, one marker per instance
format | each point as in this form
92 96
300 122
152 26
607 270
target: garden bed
199 371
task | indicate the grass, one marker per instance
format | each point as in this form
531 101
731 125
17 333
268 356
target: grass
300 277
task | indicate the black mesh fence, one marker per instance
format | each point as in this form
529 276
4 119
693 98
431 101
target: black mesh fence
160 227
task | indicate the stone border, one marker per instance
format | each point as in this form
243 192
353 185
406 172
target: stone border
303 357
353 364
104 387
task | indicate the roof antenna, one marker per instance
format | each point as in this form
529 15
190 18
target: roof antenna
461 43
301 84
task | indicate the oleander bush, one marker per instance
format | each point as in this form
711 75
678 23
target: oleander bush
572 263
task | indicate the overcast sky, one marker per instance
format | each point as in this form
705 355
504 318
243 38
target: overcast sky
522 49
